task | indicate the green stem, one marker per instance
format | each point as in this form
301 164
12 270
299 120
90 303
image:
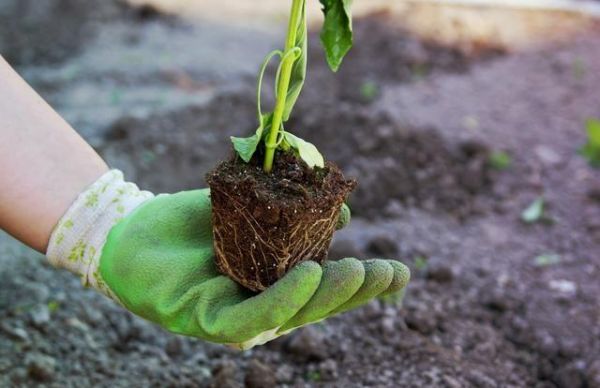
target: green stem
284 83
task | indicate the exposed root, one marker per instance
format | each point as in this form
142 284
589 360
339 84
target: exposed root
261 232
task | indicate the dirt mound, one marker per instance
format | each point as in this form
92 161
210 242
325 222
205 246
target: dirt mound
384 52
397 165
46 32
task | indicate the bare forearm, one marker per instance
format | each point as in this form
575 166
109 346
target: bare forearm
44 163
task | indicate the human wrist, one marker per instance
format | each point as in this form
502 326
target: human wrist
78 238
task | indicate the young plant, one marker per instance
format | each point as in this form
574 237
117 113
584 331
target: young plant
337 39
267 220
591 150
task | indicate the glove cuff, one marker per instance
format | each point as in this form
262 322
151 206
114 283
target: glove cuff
77 240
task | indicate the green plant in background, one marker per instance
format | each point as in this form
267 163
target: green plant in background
534 212
369 90
53 306
337 39
420 263
547 259
313 376
499 160
579 69
591 150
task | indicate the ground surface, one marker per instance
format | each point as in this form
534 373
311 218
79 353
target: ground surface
416 124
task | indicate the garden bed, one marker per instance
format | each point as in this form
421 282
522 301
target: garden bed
493 301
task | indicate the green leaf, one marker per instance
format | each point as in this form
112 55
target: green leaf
534 212
307 151
299 69
336 35
591 150
246 146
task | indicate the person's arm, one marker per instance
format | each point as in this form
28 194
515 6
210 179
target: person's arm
44 163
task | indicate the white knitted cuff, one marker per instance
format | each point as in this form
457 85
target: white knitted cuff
78 238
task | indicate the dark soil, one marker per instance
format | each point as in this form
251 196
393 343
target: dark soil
481 311
384 52
47 32
265 224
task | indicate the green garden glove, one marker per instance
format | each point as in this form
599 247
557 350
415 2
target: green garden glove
156 259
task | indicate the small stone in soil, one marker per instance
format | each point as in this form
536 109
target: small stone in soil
40 316
40 367
224 375
309 344
16 333
382 246
421 321
174 346
593 374
328 370
285 374
439 272
594 193
259 375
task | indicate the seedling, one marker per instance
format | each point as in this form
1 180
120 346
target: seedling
591 150
291 73
420 263
369 90
534 212
546 260
500 160
277 202
53 306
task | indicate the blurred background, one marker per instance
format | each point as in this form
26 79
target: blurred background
464 122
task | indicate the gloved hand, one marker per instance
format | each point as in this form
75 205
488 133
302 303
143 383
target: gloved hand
154 255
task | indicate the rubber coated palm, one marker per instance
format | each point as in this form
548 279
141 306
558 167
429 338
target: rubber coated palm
159 262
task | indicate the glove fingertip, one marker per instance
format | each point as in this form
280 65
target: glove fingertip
344 217
401 277
305 276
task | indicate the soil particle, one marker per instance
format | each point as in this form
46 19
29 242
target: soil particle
174 347
225 375
40 367
480 380
40 315
285 374
594 193
593 374
421 321
382 246
328 370
308 344
570 376
259 375
16 333
439 272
